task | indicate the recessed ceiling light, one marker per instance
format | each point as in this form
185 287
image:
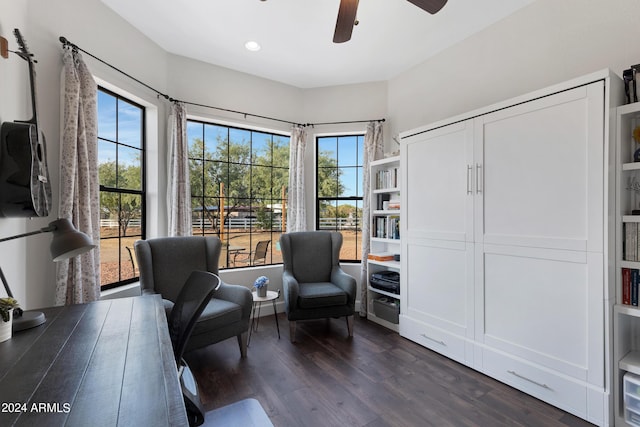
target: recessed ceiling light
252 46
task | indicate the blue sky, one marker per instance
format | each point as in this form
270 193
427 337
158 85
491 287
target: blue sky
128 130
348 152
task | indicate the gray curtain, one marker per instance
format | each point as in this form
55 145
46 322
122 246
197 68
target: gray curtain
296 211
179 189
373 149
78 278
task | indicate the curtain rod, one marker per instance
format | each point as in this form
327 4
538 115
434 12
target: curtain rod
66 42
345 123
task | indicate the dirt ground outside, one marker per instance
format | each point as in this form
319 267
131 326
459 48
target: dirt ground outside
235 253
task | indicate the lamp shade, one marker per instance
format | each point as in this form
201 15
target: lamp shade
67 241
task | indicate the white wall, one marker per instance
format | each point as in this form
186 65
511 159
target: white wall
542 44
14 104
26 262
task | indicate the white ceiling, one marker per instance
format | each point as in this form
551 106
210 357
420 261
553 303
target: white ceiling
296 35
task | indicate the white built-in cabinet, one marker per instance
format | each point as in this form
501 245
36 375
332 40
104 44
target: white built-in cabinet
384 235
626 355
505 242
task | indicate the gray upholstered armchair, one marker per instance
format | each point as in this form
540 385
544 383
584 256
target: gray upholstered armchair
315 287
165 265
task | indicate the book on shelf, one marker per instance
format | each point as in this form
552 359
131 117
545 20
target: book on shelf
630 286
386 202
386 178
386 227
635 280
626 286
631 246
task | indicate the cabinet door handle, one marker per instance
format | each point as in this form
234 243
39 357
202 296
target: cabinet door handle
522 377
478 178
469 183
434 340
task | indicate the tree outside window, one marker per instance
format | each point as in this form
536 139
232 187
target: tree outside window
122 189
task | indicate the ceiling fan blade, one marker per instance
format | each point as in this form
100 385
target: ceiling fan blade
431 6
346 20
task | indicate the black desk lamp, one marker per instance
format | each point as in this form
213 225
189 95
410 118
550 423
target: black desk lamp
67 242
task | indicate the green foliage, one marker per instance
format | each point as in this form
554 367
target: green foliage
6 305
329 184
123 207
250 179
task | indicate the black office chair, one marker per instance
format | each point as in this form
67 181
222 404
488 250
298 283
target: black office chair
190 303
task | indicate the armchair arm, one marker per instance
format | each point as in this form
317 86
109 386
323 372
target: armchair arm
346 282
291 290
237 294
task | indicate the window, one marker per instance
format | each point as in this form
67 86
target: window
121 129
238 190
339 162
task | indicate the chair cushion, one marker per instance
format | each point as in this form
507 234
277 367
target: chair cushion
216 314
320 294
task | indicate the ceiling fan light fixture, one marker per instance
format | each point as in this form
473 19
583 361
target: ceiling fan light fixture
252 46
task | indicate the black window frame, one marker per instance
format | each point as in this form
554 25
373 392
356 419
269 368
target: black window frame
121 191
359 200
228 263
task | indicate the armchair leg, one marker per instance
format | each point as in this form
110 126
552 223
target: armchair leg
292 330
242 342
350 325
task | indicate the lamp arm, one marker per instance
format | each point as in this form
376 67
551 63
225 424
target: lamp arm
31 233
6 285
17 312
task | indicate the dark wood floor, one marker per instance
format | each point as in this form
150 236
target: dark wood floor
375 379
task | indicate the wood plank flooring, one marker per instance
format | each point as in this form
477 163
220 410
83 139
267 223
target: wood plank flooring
376 379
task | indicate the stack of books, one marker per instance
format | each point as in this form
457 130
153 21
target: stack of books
630 283
631 247
386 227
387 179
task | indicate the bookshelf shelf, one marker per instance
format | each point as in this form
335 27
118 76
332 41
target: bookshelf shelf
381 292
630 362
385 189
395 212
628 310
386 264
396 241
629 264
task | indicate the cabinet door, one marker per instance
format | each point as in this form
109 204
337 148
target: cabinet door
439 290
540 172
438 199
544 306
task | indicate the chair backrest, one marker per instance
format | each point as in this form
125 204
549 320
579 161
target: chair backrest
192 299
165 263
311 255
261 251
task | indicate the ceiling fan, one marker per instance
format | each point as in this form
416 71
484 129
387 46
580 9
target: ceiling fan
347 16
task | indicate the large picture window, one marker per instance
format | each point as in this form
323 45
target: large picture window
121 130
339 161
238 181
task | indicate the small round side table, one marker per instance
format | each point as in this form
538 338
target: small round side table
257 304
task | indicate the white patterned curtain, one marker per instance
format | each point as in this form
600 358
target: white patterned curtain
373 149
296 212
78 278
179 189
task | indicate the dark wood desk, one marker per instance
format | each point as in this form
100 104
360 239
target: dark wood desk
106 363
